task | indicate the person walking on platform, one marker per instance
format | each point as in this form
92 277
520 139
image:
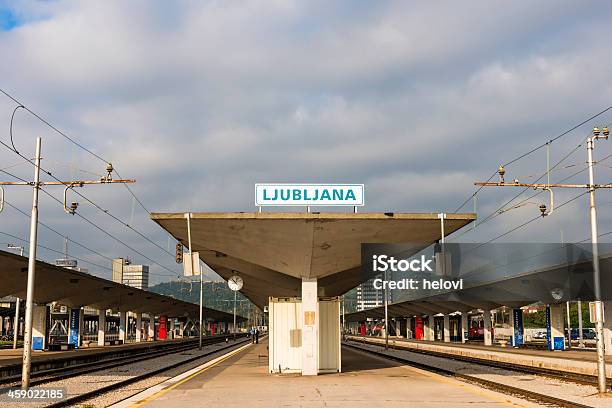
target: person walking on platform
256 335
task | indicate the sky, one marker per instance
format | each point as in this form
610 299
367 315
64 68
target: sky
200 100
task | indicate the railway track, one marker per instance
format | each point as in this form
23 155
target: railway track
54 374
532 396
82 397
50 376
583 379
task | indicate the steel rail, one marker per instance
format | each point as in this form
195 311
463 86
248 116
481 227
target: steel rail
583 379
84 368
492 385
72 401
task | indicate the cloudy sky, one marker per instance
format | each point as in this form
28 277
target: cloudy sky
200 100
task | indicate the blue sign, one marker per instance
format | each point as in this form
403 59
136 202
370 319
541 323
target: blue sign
517 318
37 343
73 333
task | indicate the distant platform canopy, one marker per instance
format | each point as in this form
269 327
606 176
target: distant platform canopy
77 289
497 286
272 252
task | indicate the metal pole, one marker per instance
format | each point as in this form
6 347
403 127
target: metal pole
235 314
569 325
16 325
386 312
580 338
601 362
201 308
343 318
188 216
27 338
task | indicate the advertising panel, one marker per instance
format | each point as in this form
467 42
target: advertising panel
74 323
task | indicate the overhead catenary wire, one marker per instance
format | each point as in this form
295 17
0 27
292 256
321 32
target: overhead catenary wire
56 251
72 241
46 122
500 210
83 217
532 196
532 220
533 150
70 139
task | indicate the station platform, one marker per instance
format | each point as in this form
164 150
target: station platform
242 380
571 360
11 360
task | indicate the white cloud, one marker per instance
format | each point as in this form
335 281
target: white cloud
199 100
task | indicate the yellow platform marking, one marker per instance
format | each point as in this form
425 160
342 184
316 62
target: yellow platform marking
455 383
165 390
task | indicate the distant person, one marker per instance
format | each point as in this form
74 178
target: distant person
252 334
256 335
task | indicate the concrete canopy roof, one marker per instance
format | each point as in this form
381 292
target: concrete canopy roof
272 252
77 289
520 290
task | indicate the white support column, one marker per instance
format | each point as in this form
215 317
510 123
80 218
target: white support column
557 323
171 336
151 328
182 328
122 323
101 327
138 327
464 327
608 327
39 327
409 334
431 328
446 328
310 329
580 336
488 332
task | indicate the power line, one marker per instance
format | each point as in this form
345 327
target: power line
535 149
59 233
46 122
86 219
43 120
533 219
107 212
55 251
70 139
500 210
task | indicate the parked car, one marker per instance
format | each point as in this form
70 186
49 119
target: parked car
540 335
587 334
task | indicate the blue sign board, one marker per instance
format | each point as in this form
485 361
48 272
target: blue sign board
517 318
38 343
73 333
